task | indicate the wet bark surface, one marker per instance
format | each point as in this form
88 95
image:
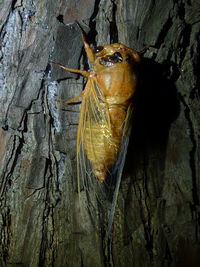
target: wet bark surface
156 221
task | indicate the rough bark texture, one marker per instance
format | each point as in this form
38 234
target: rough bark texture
157 216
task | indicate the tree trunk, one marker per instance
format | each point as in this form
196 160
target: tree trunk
156 220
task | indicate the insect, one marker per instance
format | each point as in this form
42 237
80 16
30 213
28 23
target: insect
106 109
106 104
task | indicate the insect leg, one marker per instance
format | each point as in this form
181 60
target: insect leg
82 72
88 49
70 100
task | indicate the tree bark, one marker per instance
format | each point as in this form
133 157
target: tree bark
156 221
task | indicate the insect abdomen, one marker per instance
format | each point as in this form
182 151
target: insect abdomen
102 141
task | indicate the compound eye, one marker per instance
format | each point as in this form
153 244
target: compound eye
118 57
98 49
128 58
110 60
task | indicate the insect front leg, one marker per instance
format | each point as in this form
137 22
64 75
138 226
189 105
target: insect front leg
88 49
81 72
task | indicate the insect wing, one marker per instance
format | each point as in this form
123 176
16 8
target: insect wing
94 122
119 165
94 125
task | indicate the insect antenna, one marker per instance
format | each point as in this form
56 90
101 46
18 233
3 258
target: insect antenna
144 49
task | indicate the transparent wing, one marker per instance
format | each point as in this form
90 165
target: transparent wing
119 165
93 129
96 147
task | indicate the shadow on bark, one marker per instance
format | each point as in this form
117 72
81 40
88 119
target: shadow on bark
156 107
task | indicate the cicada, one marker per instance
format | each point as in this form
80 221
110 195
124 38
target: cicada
106 109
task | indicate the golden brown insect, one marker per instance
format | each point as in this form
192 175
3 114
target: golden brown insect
106 105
